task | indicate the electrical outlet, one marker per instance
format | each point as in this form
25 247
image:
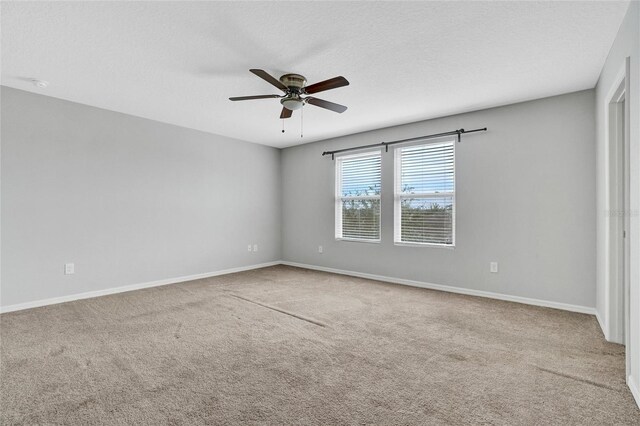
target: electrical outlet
493 267
320 249
249 247
69 268
255 247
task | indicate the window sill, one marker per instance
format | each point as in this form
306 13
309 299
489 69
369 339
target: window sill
355 240
426 245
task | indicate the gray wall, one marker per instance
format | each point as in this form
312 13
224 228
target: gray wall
525 198
626 44
128 200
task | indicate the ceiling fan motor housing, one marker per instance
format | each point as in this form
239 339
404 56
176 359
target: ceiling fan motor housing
295 82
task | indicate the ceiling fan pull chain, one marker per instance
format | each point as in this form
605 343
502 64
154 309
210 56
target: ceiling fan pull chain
282 125
301 120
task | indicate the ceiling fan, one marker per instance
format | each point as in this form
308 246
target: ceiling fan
293 86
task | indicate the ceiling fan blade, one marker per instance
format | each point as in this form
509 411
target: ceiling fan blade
326 105
286 113
246 98
332 83
269 79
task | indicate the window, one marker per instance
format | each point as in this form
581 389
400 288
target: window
425 194
358 197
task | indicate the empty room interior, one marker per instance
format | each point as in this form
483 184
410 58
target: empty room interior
321 213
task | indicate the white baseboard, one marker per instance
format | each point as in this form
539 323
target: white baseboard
602 326
450 289
131 287
431 286
635 389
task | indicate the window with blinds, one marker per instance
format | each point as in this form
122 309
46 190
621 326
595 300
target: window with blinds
358 196
424 199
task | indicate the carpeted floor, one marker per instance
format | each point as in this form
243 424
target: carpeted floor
283 345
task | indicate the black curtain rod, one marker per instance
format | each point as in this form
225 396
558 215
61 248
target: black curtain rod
458 132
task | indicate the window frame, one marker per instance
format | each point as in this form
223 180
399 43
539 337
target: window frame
338 198
398 196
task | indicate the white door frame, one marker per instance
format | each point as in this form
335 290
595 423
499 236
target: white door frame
617 198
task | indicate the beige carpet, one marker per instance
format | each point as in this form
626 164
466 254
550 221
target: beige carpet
290 346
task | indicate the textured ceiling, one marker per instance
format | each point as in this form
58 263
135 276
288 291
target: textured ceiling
178 62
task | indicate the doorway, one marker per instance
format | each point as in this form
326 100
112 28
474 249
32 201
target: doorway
619 208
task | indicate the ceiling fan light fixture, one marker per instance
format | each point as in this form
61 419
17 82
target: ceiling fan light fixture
292 103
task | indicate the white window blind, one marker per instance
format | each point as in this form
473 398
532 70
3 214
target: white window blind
358 196
424 195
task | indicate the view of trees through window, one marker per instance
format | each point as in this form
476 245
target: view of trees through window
361 216
358 214
426 219
425 196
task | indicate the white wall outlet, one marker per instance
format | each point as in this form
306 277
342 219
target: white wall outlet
69 268
255 247
493 267
249 247
320 249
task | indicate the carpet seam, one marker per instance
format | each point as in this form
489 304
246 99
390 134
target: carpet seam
282 311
